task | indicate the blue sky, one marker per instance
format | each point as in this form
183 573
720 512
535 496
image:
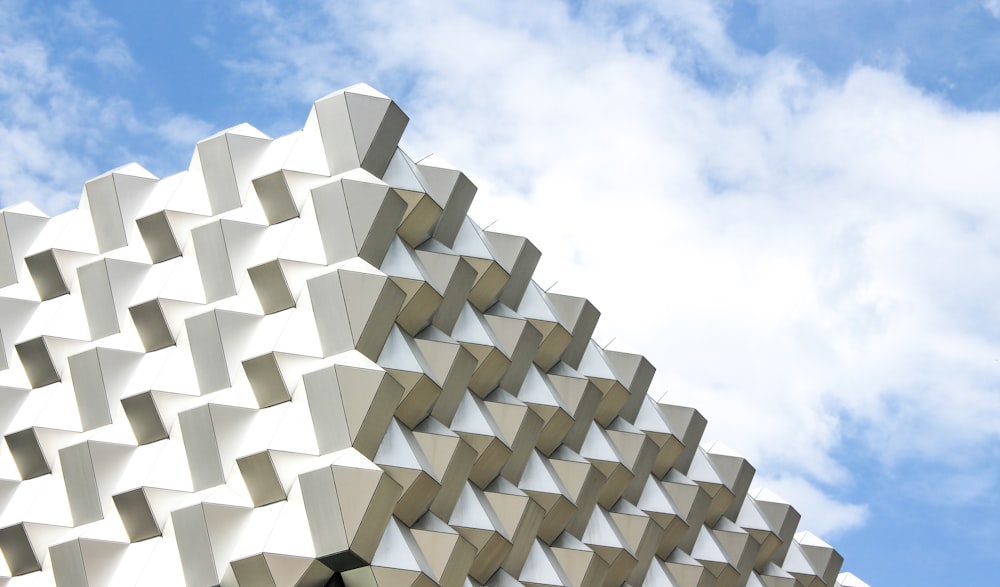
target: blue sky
807 194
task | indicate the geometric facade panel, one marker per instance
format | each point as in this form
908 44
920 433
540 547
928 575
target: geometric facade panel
300 363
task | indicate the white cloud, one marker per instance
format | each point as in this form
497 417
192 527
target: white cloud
97 34
184 130
993 7
33 163
820 514
804 259
56 130
794 253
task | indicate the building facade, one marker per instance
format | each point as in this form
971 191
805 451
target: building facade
299 362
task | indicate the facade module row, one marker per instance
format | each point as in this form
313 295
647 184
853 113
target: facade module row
299 362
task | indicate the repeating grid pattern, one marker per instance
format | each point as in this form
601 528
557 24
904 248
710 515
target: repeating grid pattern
299 362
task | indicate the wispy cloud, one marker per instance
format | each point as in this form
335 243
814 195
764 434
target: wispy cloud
827 517
807 258
92 36
184 130
993 7
57 127
799 251
947 48
39 105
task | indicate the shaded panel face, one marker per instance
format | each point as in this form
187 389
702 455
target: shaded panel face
265 379
45 273
144 418
261 479
27 453
17 550
275 197
159 238
272 290
253 571
151 325
133 508
37 362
